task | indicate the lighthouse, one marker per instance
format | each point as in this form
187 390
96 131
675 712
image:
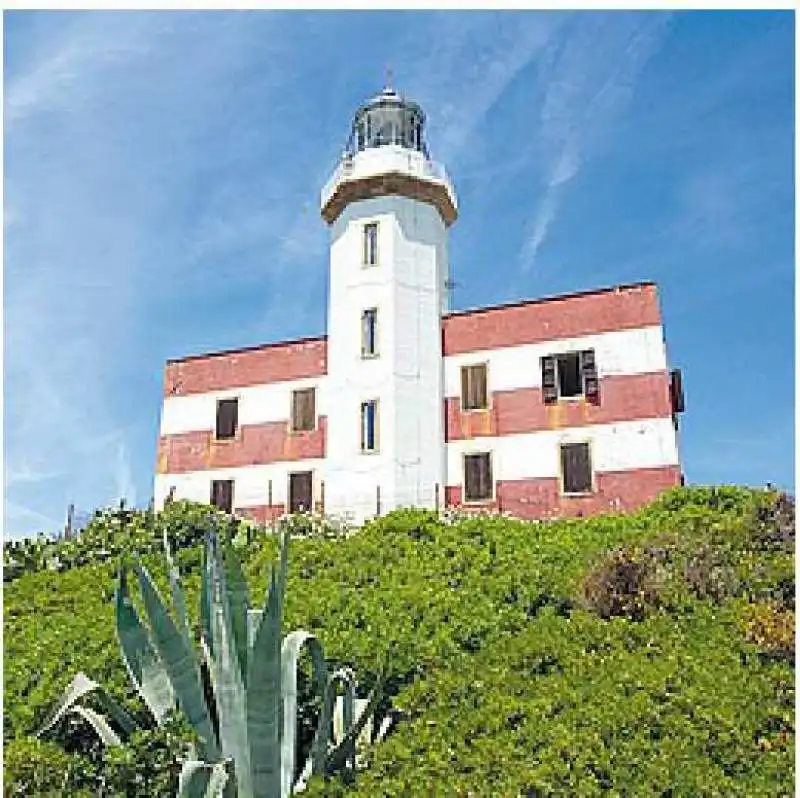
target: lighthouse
539 408
388 207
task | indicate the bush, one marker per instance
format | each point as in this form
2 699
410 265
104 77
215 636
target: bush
507 684
771 629
625 583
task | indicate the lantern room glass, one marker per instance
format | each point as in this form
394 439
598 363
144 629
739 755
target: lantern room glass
388 119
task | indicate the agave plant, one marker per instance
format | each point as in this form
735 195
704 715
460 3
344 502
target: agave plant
239 694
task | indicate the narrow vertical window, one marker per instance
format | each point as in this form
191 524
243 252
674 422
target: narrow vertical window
478 477
369 333
369 426
227 418
371 244
474 394
576 468
222 494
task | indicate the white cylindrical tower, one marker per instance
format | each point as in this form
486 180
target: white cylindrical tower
388 207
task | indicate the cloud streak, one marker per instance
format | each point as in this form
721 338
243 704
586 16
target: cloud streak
587 81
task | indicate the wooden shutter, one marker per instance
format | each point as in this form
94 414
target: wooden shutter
303 409
477 477
549 387
474 394
676 391
576 468
591 385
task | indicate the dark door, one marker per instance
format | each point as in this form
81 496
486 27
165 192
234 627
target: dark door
300 492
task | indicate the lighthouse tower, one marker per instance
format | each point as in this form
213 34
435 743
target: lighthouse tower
388 207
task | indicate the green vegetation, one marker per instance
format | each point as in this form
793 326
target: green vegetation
650 654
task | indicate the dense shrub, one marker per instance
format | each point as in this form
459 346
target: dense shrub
508 685
771 629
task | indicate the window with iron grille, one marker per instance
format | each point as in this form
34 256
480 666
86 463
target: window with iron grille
474 393
576 468
227 418
369 426
569 375
371 244
369 332
222 494
478 477
304 415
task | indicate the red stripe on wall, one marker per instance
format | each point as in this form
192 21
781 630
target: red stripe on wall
261 514
551 319
257 444
223 371
616 491
621 398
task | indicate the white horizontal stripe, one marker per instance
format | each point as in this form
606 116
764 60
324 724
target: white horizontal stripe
258 404
626 445
251 483
638 351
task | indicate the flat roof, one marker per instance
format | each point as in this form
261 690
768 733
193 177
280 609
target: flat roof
451 314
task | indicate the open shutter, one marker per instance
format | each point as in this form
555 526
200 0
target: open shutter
549 387
591 385
676 391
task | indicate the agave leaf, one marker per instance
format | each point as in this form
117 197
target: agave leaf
253 622
205 597
322 737
345 750
141 661
176 591
264 709
290 654
81 686
179 661
238 597
231 698
202 779
98 723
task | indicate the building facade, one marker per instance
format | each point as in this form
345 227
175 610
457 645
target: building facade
557 406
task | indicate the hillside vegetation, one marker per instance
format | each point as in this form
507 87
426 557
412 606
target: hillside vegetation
648 654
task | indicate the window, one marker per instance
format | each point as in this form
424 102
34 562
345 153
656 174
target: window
371 244
576 468
569 375
222 494
369 426
304 416
477 477
300 492
227 418
474 395
369 333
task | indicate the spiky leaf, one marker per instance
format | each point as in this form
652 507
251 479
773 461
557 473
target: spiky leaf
290 655
146 670
238 597
180 663
231 698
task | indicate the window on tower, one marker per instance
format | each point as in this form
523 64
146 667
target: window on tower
369 426
369 333
371 244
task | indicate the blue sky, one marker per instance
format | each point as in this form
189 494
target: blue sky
162 174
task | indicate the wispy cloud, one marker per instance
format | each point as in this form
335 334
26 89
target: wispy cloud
587 79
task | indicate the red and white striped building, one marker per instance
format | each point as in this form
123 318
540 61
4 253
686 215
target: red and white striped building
556 406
